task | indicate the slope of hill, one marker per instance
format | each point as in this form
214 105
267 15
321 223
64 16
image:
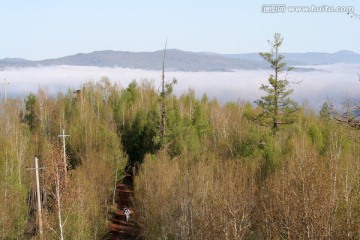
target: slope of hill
310 58
178 60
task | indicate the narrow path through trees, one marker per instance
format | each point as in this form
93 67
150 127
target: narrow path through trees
119 228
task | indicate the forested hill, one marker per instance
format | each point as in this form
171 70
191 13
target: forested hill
178 60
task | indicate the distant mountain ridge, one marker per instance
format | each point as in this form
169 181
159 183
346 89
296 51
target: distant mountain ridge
178 60
308 58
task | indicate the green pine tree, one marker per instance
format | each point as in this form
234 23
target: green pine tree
277 106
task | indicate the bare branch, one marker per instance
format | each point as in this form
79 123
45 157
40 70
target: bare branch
349 115
296 82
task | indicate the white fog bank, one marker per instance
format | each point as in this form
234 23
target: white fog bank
337 81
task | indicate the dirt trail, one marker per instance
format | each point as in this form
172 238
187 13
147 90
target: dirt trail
119 228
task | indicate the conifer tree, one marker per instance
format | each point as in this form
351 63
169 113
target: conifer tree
277 106
325 112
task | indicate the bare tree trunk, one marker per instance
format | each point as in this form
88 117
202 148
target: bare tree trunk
58 201
63 136
163 96
38 197
348 207
123 117
116 178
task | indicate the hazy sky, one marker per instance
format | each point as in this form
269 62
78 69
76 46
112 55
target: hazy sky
39 29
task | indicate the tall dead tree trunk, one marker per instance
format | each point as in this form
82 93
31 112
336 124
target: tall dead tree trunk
58 201
163 96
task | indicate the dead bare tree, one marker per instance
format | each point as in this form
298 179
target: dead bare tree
166 89
350 113
163 96
57 175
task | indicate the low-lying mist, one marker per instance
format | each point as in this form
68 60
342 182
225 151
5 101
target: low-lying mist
336 82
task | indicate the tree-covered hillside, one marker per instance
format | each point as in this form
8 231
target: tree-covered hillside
218 174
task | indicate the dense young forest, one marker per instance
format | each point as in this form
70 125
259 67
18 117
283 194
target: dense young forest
202 170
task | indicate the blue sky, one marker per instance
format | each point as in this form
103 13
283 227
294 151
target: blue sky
49 29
